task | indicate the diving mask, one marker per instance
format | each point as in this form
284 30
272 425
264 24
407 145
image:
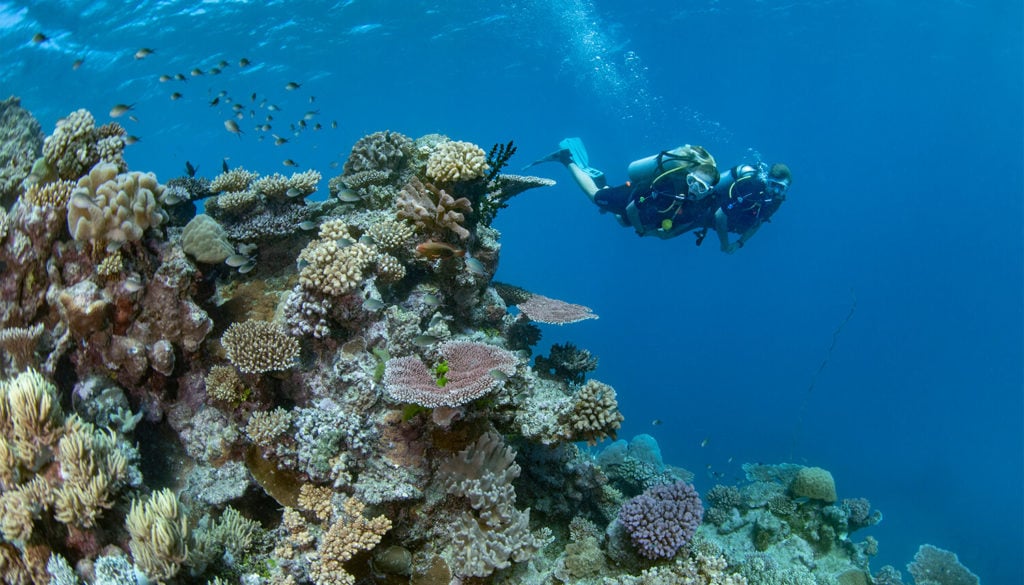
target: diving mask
776 188
697 186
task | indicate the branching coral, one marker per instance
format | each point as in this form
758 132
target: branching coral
454 161
470 375
107 207
223 384
334 269
595 414
348 535
391 235
433 210
76 145
663 519
55 194
159 534
255 347
380 151
237 179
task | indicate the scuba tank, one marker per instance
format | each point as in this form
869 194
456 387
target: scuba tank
666 163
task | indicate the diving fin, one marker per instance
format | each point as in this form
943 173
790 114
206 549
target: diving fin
571 150
577 152
559 156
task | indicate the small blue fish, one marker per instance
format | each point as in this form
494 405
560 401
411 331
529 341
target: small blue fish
307 225
372 304
236 260
475 266
431 300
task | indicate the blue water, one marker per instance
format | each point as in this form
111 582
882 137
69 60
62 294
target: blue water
902 124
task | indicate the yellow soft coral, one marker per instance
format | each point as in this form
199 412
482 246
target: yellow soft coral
159 534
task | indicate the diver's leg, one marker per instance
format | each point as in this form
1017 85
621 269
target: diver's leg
584 179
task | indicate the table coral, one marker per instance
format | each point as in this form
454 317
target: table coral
470 375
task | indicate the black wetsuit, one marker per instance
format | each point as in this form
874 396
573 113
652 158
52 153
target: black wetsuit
745 199
655 206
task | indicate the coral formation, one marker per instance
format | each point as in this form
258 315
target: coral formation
255 347
663 519
107 207
159 534
432 210
380 151
814 483
21 142
469 374
455 160
205 240
553 311
595 414
934 566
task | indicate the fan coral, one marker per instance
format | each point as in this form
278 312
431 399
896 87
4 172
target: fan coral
255 347
433 210
110 208
663 519
159 534
470 375
380 151
595 414
204 240
553 311
454 161
814 483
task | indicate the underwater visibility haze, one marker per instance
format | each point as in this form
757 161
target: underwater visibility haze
283 304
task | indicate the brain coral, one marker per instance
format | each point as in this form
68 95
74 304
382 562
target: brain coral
663 519
456 161
107 207
814 483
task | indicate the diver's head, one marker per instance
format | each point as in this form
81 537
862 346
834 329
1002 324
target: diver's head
702 180
779 179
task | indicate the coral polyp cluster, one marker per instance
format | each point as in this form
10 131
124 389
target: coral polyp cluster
337 392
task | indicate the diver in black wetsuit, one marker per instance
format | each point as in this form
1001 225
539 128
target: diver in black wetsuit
747 197
668 193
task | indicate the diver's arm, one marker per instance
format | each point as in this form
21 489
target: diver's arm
722 229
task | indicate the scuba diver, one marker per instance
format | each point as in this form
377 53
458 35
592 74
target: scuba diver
667 194
747 197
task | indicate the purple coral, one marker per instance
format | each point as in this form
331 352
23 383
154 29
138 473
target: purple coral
663 519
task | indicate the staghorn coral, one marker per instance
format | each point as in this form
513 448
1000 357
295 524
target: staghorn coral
348 535
663 519
223 384
235 180
159 534
380 151
594 416
255 347
470 375
334 269
454 161
305 182
433 210
494 533
553 311
56 194
107 207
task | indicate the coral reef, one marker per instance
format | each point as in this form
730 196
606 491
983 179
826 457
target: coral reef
663 519
255 347
21 142
111 208
934 566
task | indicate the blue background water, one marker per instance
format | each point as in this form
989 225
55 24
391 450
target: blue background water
902 124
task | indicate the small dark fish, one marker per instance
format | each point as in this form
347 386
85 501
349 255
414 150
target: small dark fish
223 93
302 124
704 442
130 140
236 260
175 96
656 422
334 164
278 141
238 107
263 103
77 64
289 163
343 242
239 116
318 126
132 284
143 53
243 62
366 240
270 118
292 86
215 71
252 98
170 199
431 300
133 118
224 165
189 169
222 64
265 127
349 196
214 101
180 77
196 72
334 124
39 38
120 109
165 78
312 98
424 340
232 127
523 354
498 375
311 114
252 114
273 108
